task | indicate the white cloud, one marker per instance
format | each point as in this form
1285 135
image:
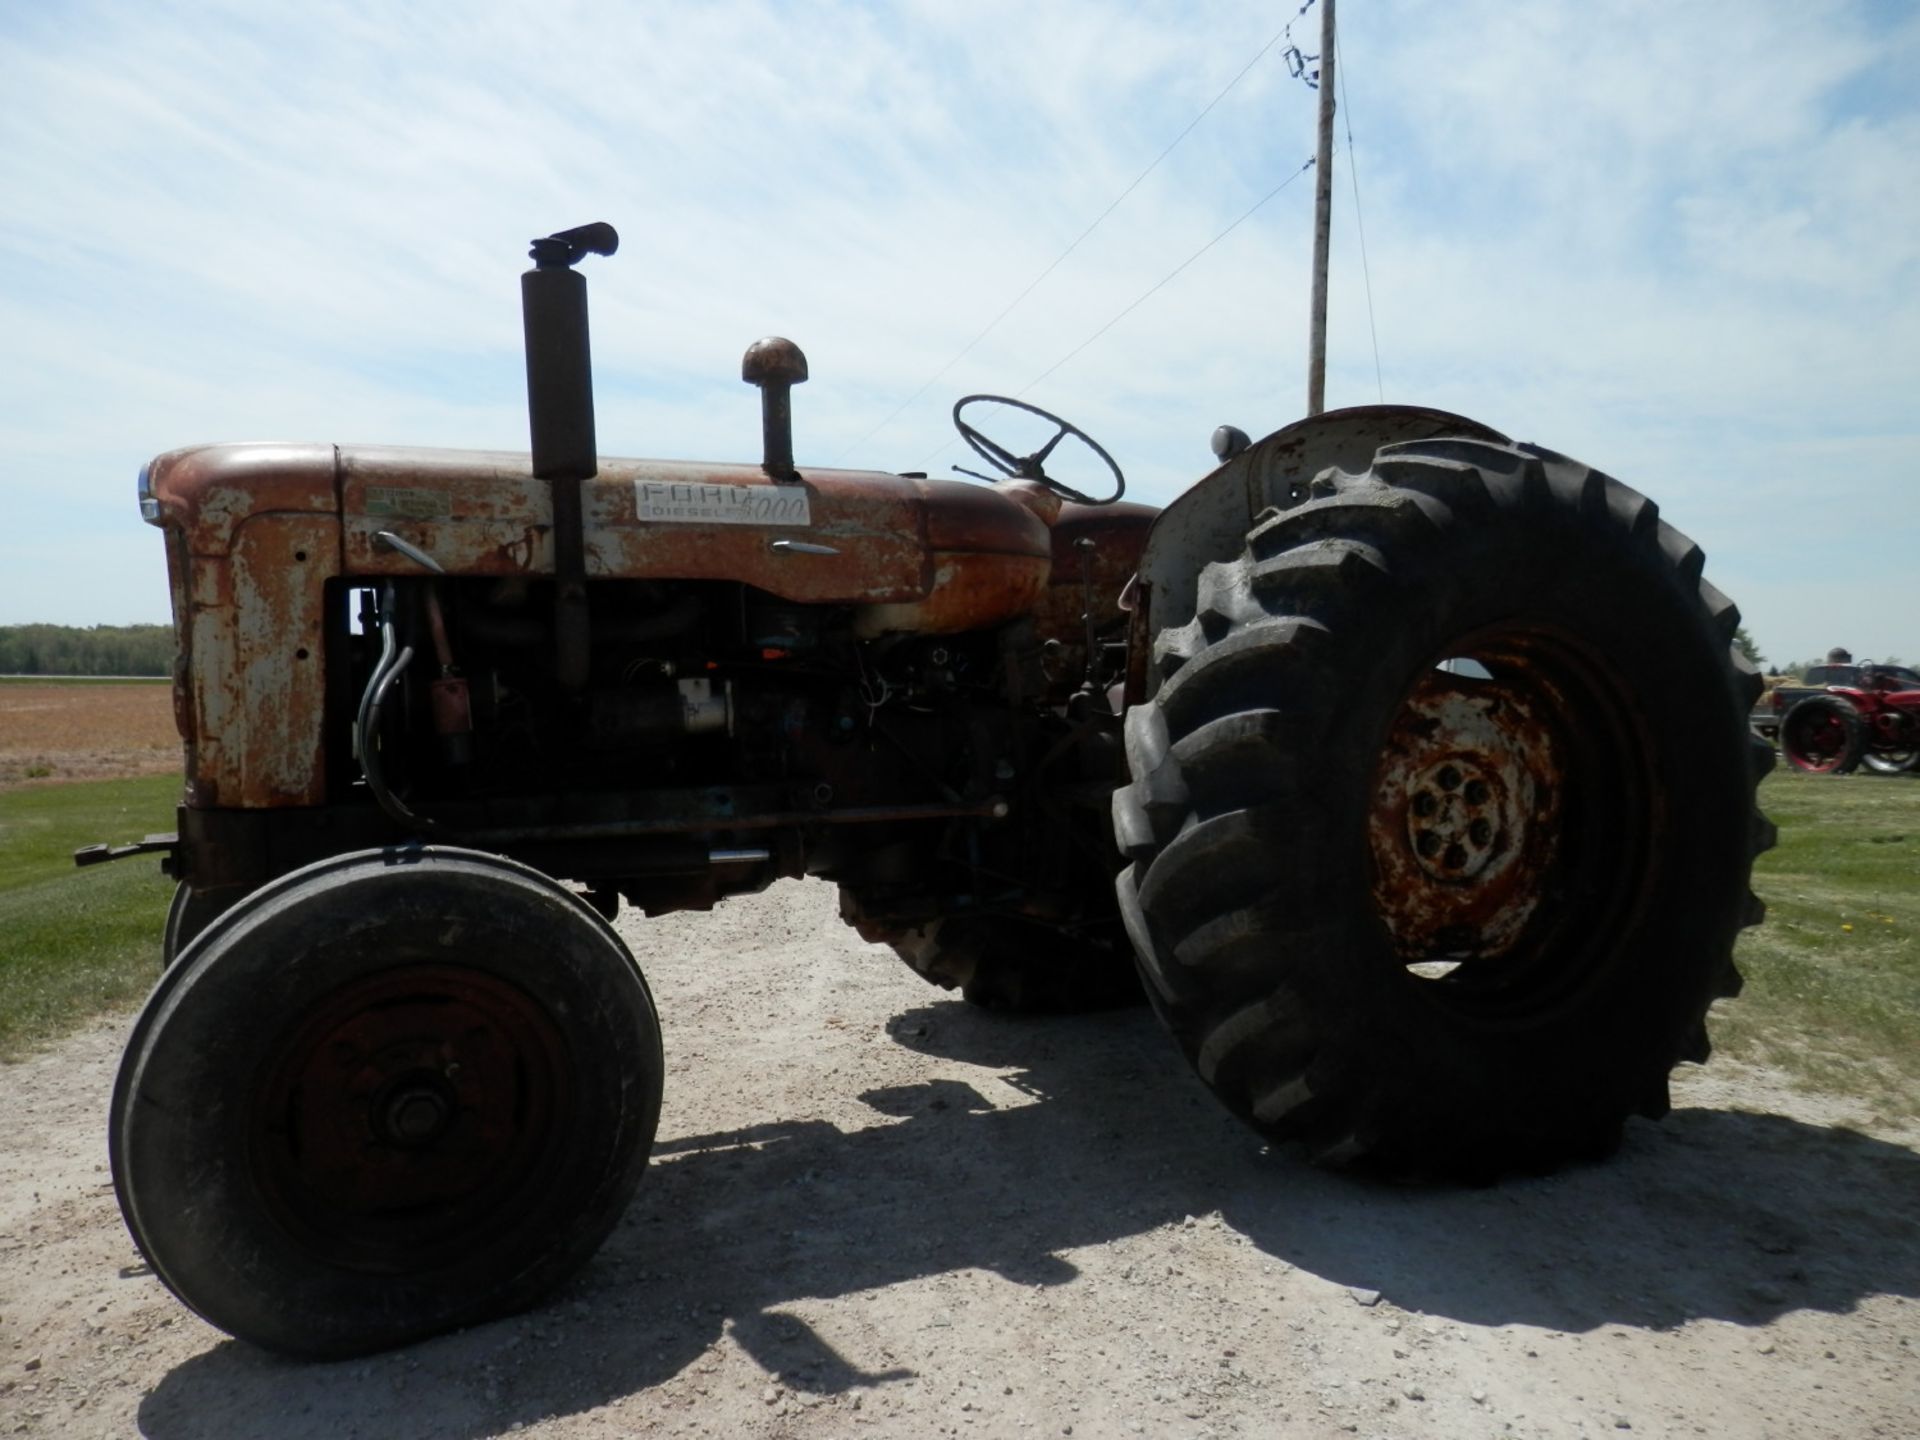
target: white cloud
1678 241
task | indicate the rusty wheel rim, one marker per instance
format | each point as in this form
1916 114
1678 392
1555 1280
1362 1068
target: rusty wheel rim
1500 774
411 1114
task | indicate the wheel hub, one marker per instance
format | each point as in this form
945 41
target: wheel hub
1454 819
423 1088
1466 816
416 1116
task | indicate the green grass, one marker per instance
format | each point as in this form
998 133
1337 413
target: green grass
76 942
1833 976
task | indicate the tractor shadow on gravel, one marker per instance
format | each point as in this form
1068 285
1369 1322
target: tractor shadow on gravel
1710 1215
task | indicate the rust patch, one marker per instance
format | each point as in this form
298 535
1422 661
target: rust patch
1465 823
964 592
208 491
256 697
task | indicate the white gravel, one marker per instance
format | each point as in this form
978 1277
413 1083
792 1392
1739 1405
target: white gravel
876 1212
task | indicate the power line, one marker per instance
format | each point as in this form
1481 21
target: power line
940 450
1034 284
1145 295
1247 214
1359 222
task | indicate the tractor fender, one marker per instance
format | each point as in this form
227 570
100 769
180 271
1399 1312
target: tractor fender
1210 520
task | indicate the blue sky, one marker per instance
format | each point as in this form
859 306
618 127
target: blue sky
1681 242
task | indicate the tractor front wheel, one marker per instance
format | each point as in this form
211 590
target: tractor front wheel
190 912
392 1094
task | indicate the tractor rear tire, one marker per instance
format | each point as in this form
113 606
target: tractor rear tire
1429 918
392 1094
1823 735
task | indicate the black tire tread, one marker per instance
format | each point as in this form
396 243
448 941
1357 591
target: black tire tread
1220 772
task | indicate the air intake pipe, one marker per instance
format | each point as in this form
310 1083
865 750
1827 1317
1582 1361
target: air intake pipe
553 306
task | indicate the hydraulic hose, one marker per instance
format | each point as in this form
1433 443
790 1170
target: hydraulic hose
394 659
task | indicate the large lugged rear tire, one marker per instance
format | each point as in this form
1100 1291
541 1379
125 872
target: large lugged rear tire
1429 916
388 1095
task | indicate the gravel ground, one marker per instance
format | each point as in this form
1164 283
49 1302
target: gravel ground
876 1212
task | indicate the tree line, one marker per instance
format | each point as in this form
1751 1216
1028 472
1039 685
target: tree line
1743 642
89 650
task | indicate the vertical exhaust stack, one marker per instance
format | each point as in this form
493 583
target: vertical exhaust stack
775 365
553 305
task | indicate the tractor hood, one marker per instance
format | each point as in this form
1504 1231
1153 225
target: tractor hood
852 537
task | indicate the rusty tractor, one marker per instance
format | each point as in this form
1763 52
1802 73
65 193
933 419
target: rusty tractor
1403 768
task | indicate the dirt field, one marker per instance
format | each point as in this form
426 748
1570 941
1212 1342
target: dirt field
81 730
876 1212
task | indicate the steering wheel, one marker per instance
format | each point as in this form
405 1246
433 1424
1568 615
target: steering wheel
1032 467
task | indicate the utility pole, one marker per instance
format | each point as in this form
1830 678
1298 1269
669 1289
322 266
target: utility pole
1322 221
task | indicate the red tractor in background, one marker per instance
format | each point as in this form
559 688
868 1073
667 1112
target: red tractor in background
1874 721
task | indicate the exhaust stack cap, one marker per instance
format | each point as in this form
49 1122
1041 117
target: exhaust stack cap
775 360
566 248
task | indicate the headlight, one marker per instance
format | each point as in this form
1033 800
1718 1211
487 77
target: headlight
149 507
